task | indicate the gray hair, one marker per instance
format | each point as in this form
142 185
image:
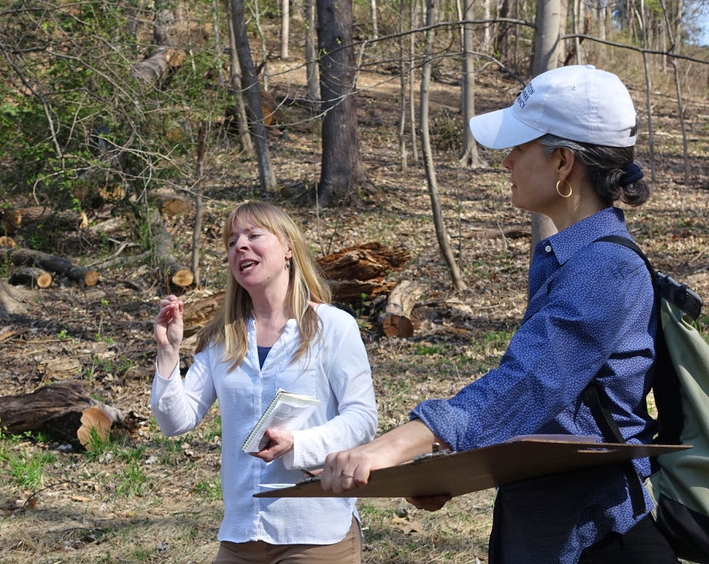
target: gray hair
605 169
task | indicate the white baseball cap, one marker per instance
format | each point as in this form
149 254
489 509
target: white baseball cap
579 102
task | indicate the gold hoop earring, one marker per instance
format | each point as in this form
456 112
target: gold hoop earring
571 189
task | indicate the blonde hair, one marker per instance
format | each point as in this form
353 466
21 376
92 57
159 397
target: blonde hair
306 285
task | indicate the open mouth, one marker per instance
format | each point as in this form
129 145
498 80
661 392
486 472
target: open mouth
247 264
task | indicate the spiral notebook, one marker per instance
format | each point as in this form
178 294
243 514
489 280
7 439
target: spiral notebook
286 411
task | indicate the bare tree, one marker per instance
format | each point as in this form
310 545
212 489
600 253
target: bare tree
470 154
235 82
342 172
311 67
441 232
546 57
285 29
249 84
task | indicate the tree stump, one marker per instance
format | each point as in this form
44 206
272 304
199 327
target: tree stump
396 320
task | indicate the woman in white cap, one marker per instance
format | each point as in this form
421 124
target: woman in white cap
590 319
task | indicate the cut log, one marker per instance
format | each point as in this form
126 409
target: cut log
355 291
155 69
25 219
8 242
65 411
30 276
10 221
396 320
20 256
163 249
172 203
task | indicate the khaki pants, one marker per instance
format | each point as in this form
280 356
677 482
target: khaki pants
347 551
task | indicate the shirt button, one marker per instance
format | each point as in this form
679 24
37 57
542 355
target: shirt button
547 248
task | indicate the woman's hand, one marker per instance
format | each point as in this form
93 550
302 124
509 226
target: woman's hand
169 329
347 470
280 441
429 502
351 469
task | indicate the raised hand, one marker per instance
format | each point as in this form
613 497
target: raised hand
169 329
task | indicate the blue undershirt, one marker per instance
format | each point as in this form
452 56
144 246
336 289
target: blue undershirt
262 354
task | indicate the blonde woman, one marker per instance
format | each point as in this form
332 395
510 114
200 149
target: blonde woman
275 331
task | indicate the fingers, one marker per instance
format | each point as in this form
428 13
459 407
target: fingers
430 502
344 471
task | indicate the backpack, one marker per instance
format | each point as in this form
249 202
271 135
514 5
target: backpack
679 485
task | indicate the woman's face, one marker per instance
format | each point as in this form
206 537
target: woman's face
257 257
533 178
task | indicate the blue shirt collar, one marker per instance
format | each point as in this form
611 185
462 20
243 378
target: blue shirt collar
567 242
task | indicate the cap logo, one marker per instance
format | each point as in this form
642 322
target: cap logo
524 96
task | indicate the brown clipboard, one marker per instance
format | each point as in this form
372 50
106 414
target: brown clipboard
455 474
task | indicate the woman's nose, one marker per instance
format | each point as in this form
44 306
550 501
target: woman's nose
507 161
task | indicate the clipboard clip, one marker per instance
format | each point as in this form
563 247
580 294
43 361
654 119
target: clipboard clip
436 450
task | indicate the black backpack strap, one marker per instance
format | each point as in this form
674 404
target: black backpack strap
611 433
593 397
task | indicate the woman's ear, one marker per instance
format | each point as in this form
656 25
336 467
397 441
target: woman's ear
565 161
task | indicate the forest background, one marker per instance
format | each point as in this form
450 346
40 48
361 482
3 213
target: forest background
122 151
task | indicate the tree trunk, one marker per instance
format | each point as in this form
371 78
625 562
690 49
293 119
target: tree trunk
197 230
235 81
441 232
311 65
403 164
546 57
470 156
249 85
342 172
285 29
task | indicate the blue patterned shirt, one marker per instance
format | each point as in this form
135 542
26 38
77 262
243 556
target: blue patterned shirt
594 317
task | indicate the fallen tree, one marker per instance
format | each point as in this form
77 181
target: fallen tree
65 411
20 256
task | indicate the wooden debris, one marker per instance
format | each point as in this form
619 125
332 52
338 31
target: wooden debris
30 276
10 221
171 203
6 241
197 314
364 262
359 271
20 256
66 411
155 69
13 221
12 301
163 248
397 320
